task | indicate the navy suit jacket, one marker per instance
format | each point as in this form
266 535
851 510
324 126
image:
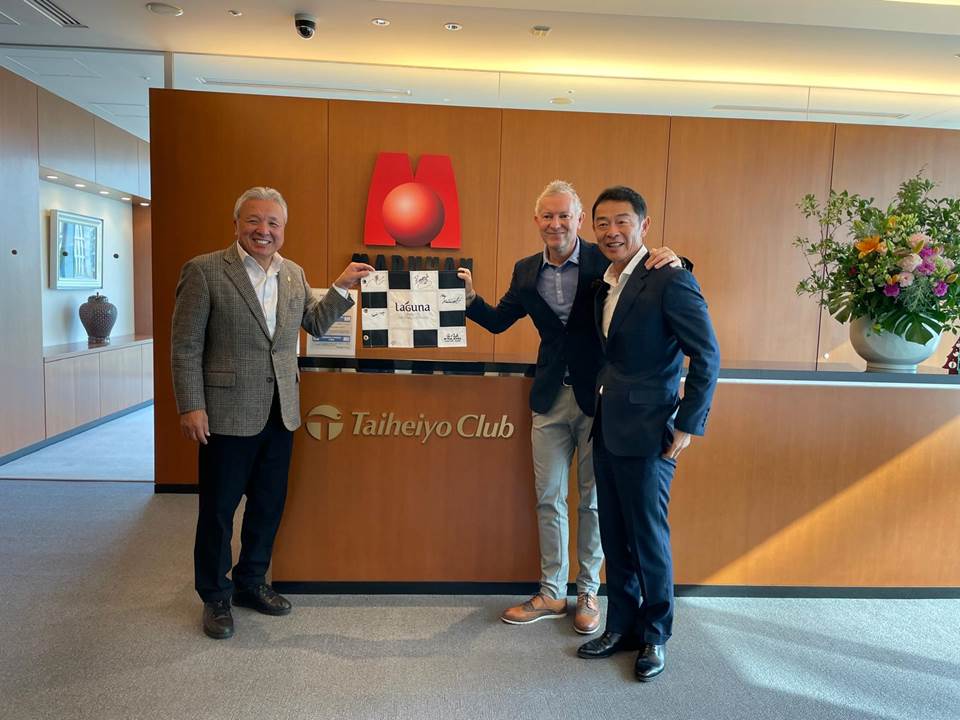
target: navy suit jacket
574 347
660 317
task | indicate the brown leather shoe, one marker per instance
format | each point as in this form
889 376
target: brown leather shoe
539 607
587 619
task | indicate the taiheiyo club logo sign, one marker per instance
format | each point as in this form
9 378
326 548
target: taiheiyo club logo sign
412 210
326 422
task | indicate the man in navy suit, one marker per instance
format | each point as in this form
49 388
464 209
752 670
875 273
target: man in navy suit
555 288
647 323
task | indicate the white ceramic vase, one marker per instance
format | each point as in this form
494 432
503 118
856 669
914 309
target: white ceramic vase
886 352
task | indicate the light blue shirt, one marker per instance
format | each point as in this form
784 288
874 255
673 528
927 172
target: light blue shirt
557 284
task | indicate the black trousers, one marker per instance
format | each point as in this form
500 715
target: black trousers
231 467
633 494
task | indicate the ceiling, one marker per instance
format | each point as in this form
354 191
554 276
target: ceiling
864 61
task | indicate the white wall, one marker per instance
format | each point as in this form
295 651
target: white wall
61 323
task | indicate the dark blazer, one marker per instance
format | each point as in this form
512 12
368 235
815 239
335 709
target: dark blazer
574 347
660 317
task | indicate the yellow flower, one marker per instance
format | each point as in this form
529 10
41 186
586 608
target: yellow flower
892 222
867 245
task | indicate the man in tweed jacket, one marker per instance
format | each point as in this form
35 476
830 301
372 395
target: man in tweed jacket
236 325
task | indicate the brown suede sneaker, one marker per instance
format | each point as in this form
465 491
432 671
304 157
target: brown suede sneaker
536 608
587 619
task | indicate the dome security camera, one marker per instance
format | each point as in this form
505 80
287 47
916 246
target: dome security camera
306 25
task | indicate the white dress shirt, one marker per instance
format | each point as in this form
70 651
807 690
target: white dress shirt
616 286
265 284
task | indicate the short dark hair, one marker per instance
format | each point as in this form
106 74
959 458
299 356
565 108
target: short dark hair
621 193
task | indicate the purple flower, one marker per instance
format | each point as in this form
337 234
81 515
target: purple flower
891 290
926 268
940 288
926 252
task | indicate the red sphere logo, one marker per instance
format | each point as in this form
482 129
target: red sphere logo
413 214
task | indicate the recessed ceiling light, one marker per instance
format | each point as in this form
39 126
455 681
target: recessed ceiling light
380 22
144 204
446 99
540 31
235 13
79 185
52 177
160 8
453 27
104 192
561 100
125 199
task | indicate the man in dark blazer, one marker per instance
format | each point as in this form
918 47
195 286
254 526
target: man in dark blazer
555 288
647 323
236 325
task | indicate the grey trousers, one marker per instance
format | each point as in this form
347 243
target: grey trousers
554 436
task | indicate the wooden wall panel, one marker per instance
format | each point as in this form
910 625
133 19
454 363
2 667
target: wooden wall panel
398 509
470 136
66 134
142 271
807 485
591 151
117 162
731 207
207 148
21 372
873 161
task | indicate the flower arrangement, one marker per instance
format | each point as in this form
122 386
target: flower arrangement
897 268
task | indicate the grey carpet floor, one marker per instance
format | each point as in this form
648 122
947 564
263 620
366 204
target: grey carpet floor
120 450
98 619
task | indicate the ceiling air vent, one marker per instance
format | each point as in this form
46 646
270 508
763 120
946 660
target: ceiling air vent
813 111
55 13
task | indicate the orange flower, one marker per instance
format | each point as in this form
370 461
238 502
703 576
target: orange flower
868 245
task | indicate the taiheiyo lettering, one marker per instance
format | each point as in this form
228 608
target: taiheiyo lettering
468 426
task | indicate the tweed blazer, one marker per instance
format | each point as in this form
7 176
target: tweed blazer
224 360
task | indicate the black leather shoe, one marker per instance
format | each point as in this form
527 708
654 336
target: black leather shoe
263 599
650 662
217 619
606 645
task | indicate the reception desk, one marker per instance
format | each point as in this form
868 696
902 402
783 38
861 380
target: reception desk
419 474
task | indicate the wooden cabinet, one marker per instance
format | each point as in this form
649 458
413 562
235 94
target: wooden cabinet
78 143
66 135
117 157
83 383
21 367
72 392
146 372
121 379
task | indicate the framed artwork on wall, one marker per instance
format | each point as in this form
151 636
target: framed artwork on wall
76 251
